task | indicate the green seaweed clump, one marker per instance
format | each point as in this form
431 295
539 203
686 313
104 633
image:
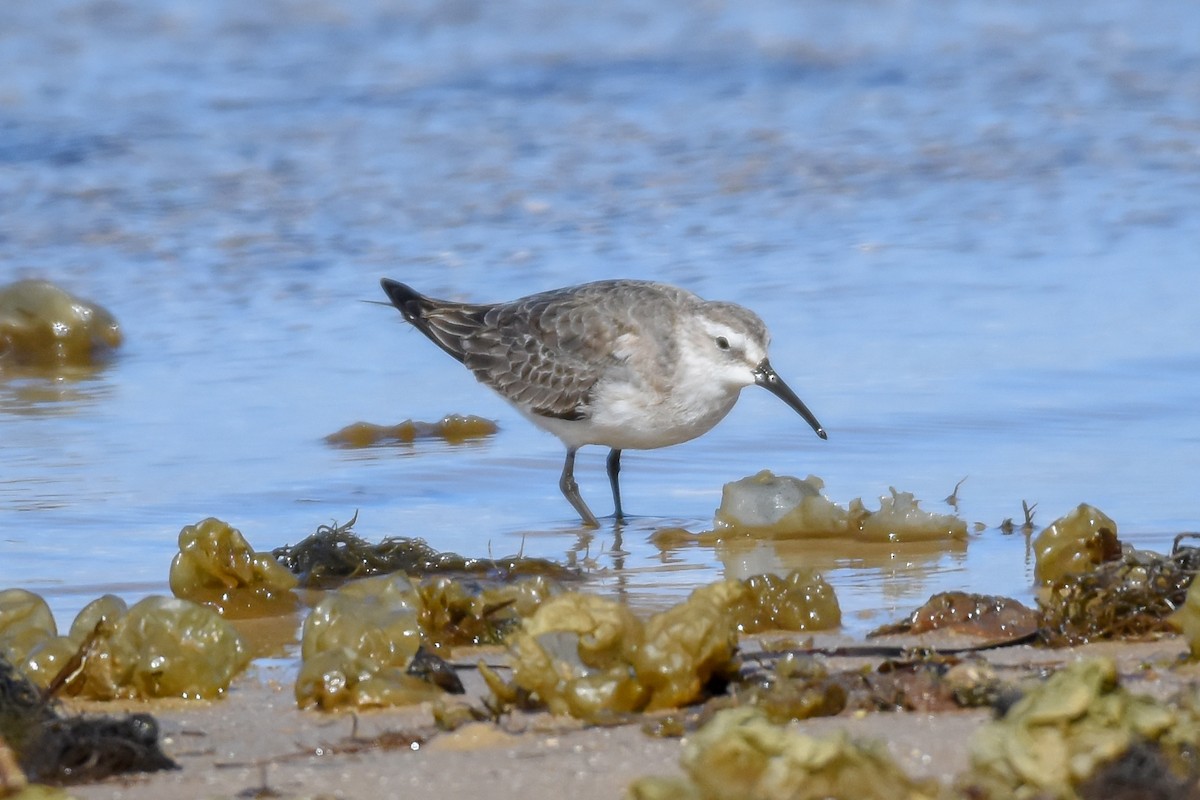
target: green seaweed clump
45 327
25 623
334 554
1075 543
740 755
591 658
801 601
575 656
767 504
159 647
217 567
457 611
1187 620
358 644
1060 734
453 428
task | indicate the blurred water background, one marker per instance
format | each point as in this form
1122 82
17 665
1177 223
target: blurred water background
972 228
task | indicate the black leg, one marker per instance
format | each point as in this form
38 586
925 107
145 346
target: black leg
570 490
614 469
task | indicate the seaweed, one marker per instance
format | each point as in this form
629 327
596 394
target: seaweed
453 428
217 567
1130 597
334 554
53 748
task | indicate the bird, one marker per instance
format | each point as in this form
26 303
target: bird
627 364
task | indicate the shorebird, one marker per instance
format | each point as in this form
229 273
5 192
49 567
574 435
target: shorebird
631 365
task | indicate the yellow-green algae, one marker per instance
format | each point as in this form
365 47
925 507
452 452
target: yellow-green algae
44 326
800 601
1134 595
1187 620
767 504
25 622
740 755
1064 729
1075 543
357 644
453 428
217 567
457 611
160 647
591 657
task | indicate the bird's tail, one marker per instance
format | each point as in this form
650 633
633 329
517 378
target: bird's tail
448 325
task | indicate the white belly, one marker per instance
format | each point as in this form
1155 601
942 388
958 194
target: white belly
622 418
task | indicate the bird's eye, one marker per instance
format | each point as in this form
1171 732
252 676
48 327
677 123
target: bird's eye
722 343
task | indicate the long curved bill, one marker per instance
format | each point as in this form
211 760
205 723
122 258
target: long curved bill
766 377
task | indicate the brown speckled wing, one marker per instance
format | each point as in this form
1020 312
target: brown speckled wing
545 352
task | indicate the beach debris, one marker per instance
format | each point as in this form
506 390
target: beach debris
767 504
800 686
741 755
46 327
952 499
452 428
217 567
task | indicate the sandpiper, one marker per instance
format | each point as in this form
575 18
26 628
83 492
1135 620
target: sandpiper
621 363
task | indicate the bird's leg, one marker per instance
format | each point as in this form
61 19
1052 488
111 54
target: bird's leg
614 469
570 490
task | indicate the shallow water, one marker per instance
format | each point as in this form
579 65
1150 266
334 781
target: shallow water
972 231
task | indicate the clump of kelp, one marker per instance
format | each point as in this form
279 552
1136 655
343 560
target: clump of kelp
54 748
453 429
